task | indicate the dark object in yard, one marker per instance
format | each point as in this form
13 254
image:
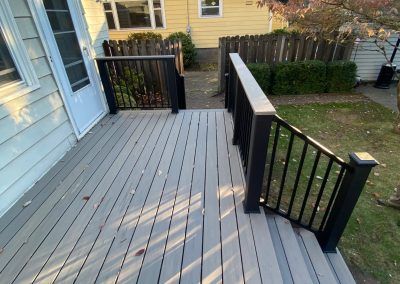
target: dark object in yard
385 76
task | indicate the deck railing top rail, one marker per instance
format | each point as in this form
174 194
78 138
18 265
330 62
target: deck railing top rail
144 57
257 99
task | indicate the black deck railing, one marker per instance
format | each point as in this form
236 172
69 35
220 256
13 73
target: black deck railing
288 172
142 82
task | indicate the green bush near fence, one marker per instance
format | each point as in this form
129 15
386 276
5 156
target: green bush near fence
340 76
188 47
262 74
144 36
305 77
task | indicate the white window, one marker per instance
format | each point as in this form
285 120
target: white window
135 14
210 8
17 75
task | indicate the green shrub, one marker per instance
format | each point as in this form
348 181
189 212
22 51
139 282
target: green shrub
144 36
262 74
341 76
306 77
189 49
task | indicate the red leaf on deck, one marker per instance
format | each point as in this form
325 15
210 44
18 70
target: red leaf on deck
139 252
86 198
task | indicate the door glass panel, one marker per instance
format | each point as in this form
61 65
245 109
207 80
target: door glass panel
67 41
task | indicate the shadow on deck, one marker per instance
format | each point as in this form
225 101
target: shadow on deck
150 196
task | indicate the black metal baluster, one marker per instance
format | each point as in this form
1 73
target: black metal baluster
134 90
333 196
321 192
161 87
298 176
141 87
285 169
310 182
127 83
271 165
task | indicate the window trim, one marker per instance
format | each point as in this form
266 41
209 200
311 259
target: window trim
200 9
29 80
151 11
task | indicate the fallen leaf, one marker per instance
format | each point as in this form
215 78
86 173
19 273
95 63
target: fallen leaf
358 220
27 203
86 198
383 165
1 250
318 177
132 192
101 227
376 195
139 252
376 174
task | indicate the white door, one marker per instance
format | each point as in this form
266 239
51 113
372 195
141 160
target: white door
68 44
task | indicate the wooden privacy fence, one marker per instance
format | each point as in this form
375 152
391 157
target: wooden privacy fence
273 49
152 47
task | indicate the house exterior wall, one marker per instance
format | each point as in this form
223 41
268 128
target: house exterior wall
96 23
36 131
237 18
369 61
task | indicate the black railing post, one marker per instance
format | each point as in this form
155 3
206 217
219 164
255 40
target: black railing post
346 199
107 85
260 132
180 81
172 85
226 90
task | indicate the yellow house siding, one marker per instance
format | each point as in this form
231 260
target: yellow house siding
237 19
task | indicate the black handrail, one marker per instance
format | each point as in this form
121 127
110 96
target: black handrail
304 181
141 82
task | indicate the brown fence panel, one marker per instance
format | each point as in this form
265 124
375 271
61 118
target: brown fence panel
146 47
273 49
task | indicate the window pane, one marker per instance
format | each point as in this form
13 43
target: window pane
8 71
60 21
76 72
107 6
158 18
157 4
110 21
210 11
209 3
133 14
55 4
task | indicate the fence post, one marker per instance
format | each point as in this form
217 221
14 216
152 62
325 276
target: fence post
107 85
172 85
260 131
346 199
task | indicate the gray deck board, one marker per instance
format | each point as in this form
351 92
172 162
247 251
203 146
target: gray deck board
164 205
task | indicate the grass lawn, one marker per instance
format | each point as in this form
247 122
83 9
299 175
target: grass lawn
371 243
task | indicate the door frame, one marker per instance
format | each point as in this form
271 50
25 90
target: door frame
40 18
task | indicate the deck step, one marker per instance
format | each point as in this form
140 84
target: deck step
300 257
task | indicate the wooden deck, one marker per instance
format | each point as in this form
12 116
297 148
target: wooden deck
151 197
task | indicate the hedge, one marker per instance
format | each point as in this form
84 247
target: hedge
144 36
188 48
305 77
341 76
262 74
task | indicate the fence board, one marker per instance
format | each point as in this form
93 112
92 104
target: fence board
273 49
146 47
